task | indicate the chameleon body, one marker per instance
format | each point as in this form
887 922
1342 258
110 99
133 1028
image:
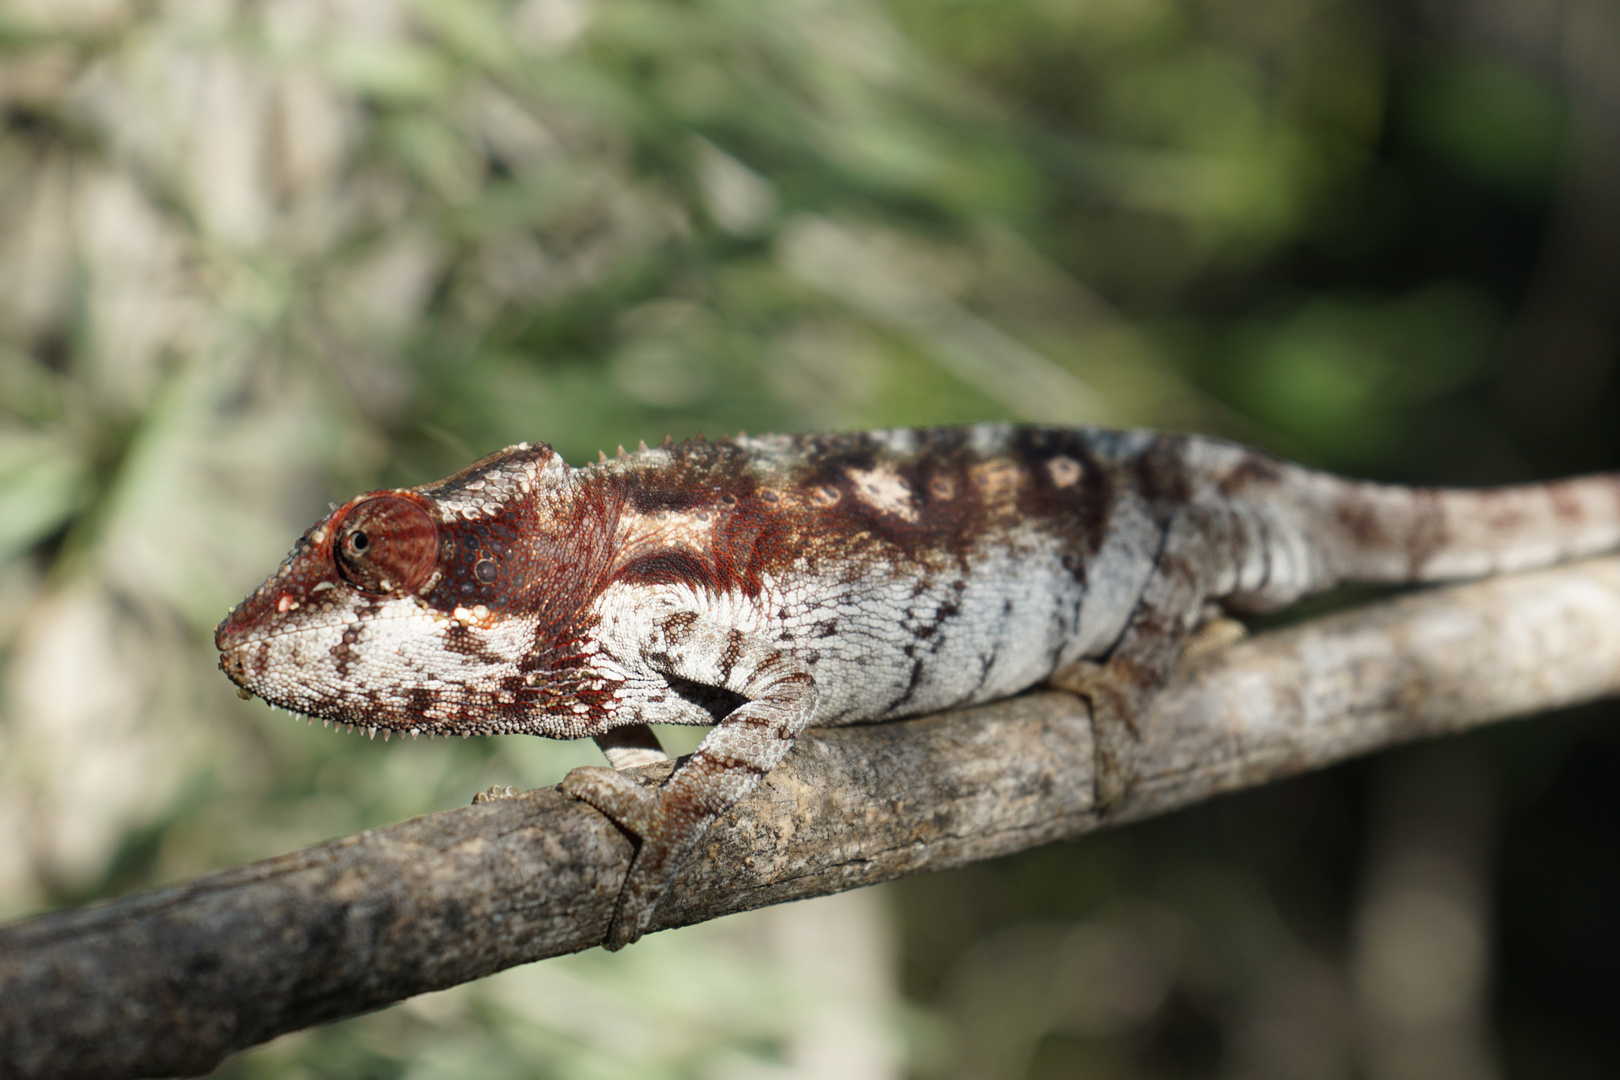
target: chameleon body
763 585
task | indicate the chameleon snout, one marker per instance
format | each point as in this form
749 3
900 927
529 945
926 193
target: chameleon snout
231 664
233 658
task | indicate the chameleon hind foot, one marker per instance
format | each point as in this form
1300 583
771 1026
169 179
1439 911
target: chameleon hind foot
1115 704
1209 638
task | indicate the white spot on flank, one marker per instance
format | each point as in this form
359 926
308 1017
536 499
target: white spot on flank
1065 472
883 490
286 604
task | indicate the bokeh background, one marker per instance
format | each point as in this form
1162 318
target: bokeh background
259 256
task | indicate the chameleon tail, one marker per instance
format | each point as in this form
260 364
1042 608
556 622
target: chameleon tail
1382 534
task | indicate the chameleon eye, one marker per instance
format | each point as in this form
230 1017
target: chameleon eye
386 544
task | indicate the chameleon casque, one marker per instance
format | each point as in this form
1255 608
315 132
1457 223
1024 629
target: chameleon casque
764 585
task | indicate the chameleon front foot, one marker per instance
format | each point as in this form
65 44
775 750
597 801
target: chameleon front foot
633 807
640 811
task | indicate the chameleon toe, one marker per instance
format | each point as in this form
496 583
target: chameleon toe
628 804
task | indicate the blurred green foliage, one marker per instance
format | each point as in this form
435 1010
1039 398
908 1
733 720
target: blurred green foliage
1490 121
258 256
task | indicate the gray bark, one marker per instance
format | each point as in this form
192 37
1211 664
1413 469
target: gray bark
172 981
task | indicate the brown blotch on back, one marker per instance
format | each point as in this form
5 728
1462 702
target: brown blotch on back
815 521
1079 511
1161 471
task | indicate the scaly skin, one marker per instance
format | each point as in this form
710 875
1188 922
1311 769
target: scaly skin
763 585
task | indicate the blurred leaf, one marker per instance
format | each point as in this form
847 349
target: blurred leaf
1341 372
43 482
389 71
1492 121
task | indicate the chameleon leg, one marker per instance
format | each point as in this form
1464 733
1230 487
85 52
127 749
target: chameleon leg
1203 556
744 746
631 746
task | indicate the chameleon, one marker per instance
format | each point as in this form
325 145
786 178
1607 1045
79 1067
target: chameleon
764 585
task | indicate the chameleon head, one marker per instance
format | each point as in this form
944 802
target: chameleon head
406 610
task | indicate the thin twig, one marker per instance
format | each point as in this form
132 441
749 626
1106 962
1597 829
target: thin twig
172 981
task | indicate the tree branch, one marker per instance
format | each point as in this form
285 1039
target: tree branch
172 981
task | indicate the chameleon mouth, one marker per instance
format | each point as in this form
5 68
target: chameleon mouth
244 665
234 663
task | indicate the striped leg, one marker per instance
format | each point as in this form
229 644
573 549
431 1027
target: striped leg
743 747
